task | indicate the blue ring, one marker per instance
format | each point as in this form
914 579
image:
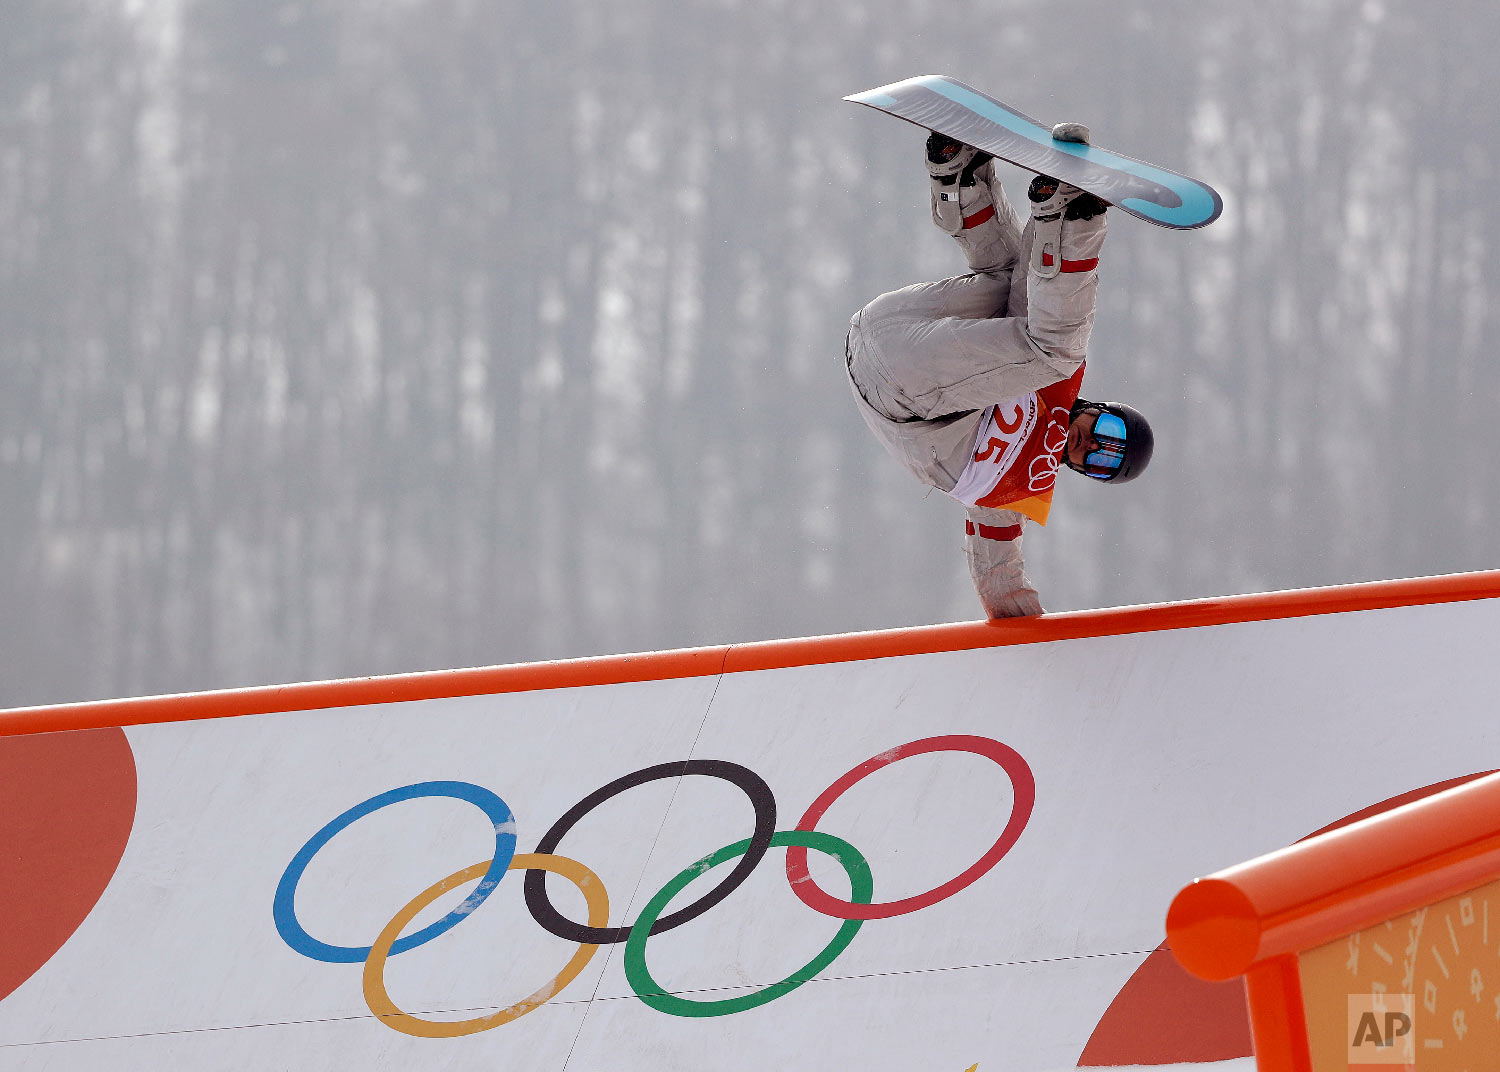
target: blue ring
284 910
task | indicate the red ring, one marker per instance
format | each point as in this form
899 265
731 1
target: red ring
1022 782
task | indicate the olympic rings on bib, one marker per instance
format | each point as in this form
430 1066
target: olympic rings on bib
853 913
1024 790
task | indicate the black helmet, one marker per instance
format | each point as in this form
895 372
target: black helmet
1125 442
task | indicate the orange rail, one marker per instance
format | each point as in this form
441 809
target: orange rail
1335 884
697 662
1254 919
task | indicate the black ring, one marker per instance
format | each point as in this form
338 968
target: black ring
753 786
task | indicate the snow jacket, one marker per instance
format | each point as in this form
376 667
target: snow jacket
927 361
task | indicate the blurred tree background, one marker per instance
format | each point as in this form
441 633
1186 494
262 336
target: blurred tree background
350 339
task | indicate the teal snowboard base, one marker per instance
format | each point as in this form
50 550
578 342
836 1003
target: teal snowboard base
950 107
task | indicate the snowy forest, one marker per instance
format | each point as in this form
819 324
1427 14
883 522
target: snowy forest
340 339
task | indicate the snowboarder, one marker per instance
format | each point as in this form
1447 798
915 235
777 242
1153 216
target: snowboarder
972 382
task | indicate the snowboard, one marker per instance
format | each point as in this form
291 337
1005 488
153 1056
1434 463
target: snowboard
950 107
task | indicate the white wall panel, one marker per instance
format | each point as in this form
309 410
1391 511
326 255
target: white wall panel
1156 757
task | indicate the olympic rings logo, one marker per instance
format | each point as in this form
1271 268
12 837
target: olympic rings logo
595 932
1044 466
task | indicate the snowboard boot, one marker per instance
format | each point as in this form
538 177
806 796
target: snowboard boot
970 205
948 157
954 168
1052 203
1051 198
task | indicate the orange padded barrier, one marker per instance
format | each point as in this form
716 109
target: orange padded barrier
1338 883
1255 919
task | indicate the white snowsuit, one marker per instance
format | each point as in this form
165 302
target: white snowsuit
925 361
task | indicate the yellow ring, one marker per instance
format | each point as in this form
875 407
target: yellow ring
380 1002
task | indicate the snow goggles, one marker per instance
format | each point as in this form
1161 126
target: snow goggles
1104 461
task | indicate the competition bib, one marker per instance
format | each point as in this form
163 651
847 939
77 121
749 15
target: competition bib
1018 450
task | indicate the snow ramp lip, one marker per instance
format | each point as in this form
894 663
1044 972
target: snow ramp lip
759 655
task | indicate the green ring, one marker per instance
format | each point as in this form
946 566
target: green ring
862 889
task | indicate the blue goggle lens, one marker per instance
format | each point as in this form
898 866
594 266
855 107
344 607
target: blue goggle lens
1109 434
